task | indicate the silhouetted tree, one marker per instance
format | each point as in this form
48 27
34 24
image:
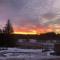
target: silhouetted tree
8 28
0 31
7 39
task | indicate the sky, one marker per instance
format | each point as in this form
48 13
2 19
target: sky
30 15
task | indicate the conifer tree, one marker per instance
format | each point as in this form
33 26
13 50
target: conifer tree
8 28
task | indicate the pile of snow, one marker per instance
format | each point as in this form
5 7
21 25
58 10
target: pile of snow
26 54
23 50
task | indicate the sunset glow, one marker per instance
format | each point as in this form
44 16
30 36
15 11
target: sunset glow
18 31
52 28
25 33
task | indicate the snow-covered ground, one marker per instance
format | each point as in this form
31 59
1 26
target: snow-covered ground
25 54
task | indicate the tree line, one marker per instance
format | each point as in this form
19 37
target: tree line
7 39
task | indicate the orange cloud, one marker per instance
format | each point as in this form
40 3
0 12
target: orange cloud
36 30
27 30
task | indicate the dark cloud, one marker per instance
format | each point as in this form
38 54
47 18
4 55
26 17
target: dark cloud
11 7
24 12
49 15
